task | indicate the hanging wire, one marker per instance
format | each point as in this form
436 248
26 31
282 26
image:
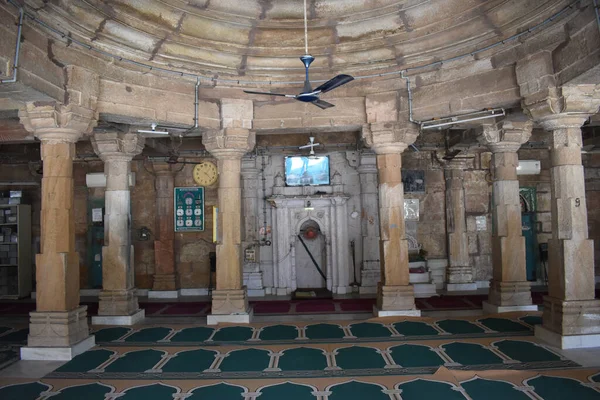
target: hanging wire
305 31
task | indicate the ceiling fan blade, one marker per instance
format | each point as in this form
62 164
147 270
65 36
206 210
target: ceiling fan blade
270 94
334 82
306 146
322 104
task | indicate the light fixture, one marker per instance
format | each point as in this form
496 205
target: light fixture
153 130
459 119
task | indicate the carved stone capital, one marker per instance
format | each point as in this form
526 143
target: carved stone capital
117 145
459 163
389 137
571 104
57 123
163 168
507 135
229 142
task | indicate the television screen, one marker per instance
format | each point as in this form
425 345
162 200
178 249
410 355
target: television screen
306 171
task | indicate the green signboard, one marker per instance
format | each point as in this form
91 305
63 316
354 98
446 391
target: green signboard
189 209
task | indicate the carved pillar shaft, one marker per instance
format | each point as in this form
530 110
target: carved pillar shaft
394 247
370 271
228 250
571 311
117 297
59 321
165 276
395 295
58 263
228 145
509 286
250 217
570 307
460 271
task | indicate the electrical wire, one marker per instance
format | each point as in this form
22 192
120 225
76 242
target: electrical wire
69 39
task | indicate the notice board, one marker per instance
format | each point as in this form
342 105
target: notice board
189 209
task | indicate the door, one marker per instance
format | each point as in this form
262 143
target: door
307 275
528 226
528 198
95 241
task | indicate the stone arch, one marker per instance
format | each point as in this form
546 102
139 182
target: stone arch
314 219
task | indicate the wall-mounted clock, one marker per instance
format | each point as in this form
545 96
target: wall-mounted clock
205 173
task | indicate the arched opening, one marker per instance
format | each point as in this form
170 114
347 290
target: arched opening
311 271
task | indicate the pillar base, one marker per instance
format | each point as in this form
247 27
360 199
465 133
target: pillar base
163 294
59 329
57 353
398 313
123 320
567 341
460 274
239 318
396 299
229 301
117 302
461 287
509 294
574 317
166 282
490 308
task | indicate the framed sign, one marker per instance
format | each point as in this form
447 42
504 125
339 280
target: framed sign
189 209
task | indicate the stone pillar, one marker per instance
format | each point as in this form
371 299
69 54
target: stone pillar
118 303
228 145
395 295
571 312
165 275
509 289
460 272
369 215
58 329
252 273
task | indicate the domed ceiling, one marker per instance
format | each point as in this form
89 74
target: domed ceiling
261 40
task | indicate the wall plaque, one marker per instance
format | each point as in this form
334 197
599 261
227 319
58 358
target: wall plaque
189 209
411 209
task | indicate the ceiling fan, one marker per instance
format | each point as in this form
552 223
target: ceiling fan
312 146
308 94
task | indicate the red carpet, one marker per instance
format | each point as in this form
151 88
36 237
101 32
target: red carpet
280 307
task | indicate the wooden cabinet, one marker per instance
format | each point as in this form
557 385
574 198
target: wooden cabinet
15 251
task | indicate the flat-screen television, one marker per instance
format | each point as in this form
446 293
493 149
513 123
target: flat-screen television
306 171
